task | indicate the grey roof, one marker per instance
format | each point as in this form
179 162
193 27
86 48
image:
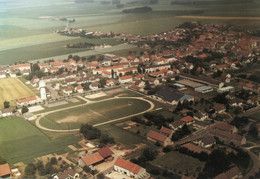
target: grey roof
169 94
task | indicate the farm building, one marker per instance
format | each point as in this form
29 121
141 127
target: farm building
204 89
103 154
130 169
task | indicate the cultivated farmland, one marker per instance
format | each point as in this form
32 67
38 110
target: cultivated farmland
94 113
12 89
20 141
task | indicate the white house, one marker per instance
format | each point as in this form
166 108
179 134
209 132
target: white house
93 86
130 169
68 91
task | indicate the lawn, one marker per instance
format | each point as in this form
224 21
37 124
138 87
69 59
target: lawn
12 89
94 113
178 163
20 141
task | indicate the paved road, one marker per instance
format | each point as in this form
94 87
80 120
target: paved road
41 115
54 94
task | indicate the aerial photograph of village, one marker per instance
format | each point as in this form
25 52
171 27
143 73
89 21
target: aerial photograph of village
121 89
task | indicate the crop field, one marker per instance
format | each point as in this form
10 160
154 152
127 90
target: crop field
31 37
20 141
48 50
12 89
94 113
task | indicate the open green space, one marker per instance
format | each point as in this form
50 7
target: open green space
20 141
178 163
122 136
94 113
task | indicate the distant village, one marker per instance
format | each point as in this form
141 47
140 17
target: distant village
191 69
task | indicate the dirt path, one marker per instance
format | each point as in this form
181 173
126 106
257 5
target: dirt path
41 115
218 17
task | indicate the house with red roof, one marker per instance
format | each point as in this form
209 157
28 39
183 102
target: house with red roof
130 169
126 79
79 89
5 171
157 137
68 91
188 120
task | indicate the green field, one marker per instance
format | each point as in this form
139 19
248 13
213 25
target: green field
48 50
94 113
178 162
12 89
20 141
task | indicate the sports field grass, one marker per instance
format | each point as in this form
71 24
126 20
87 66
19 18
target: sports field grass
20 141
12 89
94 113
178 162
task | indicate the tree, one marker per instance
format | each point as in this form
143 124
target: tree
35 67
54 161
6 104
24 109
149 154
30 170
253 131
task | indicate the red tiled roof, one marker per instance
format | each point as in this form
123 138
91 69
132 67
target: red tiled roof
5 170
125 77
105 152
195 148
128 165
188 119
79 87
166 130
92 159
156 136
223 126
26 99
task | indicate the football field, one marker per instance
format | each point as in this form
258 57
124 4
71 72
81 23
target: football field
12 89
